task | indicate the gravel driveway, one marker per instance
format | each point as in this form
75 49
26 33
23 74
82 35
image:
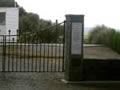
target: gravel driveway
45 81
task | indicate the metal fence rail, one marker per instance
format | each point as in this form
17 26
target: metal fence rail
28 53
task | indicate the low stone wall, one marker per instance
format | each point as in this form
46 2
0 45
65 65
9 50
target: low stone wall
101 70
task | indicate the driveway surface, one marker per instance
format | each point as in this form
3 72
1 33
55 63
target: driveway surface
45 81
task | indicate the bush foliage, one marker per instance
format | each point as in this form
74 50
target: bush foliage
107 36
37 29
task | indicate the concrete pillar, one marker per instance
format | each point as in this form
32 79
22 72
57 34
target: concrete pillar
74 47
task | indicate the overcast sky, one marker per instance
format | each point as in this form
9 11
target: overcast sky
96 12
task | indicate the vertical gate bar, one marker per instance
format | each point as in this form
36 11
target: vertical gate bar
4 54
19 63
28 54
39 51
12 54
9 51
44 58
17 52
32 54
59 54
63 67
40 56
20 56
56 47
59 57
55 57
2 45
24 52
47 49
48 59
52 61
36 54
6 49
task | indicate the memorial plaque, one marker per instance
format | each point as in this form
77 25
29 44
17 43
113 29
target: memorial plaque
76 38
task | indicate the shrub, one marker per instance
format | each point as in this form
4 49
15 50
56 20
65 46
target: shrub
107 36
98 35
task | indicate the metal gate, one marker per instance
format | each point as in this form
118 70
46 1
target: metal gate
33 52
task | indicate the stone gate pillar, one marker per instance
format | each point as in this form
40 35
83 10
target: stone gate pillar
74 28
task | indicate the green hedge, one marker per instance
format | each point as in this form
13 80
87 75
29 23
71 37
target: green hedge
114 41
107 36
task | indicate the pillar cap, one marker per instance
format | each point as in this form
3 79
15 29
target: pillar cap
74 15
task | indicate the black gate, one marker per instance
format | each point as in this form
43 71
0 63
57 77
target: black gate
40 51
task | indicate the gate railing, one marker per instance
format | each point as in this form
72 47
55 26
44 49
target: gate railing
33 52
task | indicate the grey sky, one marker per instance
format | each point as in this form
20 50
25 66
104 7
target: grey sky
96 12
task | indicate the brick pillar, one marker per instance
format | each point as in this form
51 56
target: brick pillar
74 47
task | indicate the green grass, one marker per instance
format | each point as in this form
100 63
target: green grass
86 36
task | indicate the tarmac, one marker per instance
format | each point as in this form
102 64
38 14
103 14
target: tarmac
46 81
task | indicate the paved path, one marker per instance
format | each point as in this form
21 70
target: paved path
45 81
100 52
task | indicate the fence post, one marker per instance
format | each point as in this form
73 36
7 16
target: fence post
74 48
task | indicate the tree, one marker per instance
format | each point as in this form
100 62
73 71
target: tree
38 29
98 34
22 12
50 32
29 23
